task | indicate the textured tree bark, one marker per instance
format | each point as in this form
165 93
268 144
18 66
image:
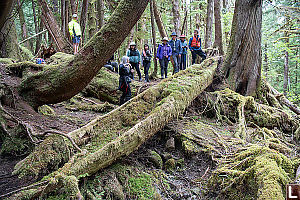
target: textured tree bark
218 26
36 28
209 23
73 7
63 82
53 28
83 16
176 16
286 61
100 9
159 22
154 73
23 25
266 63
92 24
8 44
242 66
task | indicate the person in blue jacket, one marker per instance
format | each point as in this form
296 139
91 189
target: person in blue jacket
134 59
176 51
164 52
184 45
195 47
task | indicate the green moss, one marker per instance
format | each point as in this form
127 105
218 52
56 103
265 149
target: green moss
141 186
6 60
15 146
46 110
156 159
170 165
26 53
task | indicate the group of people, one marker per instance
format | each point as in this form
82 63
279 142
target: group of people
174 50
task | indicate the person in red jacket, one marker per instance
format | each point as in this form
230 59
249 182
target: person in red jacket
195 47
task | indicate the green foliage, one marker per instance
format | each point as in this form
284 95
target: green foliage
141 186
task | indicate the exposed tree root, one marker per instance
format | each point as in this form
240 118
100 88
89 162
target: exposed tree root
123 130
255 153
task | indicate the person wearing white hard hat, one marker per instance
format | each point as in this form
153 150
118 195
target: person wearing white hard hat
134 59
75 32
164 52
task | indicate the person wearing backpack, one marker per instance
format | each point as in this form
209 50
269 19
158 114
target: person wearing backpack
164 52
195 47
146 57
125 80
134 59
75 32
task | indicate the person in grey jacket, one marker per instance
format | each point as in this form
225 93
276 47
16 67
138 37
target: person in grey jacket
176 52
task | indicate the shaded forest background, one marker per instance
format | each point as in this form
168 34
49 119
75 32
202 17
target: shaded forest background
280 31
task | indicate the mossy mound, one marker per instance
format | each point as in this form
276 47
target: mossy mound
46 110
6 60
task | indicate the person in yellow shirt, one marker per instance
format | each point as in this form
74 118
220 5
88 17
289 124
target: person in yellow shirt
75 32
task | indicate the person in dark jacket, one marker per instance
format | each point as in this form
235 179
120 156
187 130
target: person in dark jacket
125 80
146 56
111 65
164 52
184 45
195 47
176 51
134 59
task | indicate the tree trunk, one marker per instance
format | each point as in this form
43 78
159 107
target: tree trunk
242 66
67 19
54 6
92 24
83 16
5 9
159 22
36 28
23 25
286 73
154 73
100 9
266 63
286 60
184 24
176 16
218 27
209 23
73 7
53 28
9 47
63 82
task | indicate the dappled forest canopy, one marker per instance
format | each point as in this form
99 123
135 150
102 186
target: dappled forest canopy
227 127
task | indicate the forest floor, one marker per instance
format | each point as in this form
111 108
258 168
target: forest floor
174 171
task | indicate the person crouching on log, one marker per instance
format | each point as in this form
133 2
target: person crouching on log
146 55
134 59
75 32
125 80
164 52
195 47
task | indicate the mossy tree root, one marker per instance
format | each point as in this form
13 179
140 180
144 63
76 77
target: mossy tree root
123 130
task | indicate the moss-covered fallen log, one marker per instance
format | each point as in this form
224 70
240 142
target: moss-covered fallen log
62 82
123 130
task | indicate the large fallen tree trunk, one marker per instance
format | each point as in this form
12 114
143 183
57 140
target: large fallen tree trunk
121 131
62 82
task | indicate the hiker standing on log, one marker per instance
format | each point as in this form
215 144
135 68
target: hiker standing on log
125 80
184 52
176 52
146 57
75 32
164 52
195 47
134 59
